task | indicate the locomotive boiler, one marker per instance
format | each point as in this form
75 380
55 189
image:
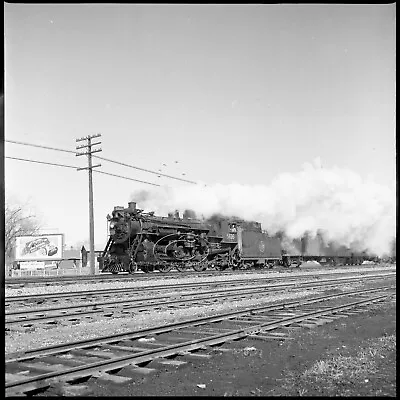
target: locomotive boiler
140 240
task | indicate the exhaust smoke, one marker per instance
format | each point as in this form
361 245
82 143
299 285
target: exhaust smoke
336 203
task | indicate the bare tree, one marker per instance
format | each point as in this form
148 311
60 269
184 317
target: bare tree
17 223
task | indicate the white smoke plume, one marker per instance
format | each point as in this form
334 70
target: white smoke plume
335 202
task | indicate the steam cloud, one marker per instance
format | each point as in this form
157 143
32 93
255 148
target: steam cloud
334 202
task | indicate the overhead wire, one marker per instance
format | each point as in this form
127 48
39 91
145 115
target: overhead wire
41 162
146 170
105 159
72 166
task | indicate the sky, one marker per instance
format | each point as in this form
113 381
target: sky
220 94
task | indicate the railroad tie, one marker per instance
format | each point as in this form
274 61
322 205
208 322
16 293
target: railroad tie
349 313
111 377
27 389
16 376
333 316
198 356
269 336
166 362
42 366
132 368
198 332
305 325
208 331
248 320
322 320
100 353
125 348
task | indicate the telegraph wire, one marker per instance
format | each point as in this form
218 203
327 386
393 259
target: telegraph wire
145 170
41 162
105 159
74 167
40 146
124 177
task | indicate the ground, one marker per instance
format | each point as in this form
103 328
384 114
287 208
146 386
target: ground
353 356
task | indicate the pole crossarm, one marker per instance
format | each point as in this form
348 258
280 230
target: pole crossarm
89 152
93 166
88 137
86 145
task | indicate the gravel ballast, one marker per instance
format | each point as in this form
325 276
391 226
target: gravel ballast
10 292
35 337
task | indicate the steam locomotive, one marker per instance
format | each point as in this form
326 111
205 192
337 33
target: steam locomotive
141 240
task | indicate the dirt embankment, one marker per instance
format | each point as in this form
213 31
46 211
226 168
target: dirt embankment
353 356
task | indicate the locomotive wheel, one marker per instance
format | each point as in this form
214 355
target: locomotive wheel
287 263
145 269
116 268
271 264
133 267
200 267
181 267
164 267
245 265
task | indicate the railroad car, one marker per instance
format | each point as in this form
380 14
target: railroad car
315 248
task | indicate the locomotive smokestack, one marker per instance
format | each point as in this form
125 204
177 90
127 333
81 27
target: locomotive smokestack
132 205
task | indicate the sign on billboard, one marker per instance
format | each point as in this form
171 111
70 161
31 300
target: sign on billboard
31 265
39 247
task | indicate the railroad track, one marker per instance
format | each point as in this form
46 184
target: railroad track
139 276
29 300
78 295
120 358
26 318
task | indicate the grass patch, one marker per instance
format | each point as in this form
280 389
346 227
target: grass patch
371 370
360 366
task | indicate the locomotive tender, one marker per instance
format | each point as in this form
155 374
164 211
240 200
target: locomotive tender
140 240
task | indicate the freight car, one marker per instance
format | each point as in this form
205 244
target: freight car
139 240
315 248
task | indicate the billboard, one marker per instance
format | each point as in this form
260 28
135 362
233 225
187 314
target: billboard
39 247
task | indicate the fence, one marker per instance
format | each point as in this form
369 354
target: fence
17 273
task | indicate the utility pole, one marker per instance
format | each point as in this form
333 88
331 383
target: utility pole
89 152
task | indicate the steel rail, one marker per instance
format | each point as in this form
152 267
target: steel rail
150 276
137 276
190 286
170 350
48 296
157 302
60 348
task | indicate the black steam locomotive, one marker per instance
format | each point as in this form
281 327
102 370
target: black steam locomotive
140 240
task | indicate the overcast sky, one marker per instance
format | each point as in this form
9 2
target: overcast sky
233 93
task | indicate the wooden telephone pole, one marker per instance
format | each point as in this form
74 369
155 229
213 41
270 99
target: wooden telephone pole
89 152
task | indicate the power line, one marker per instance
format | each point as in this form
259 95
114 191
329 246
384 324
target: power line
39 146
146 170
124 177
42 162
105 159
75 167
